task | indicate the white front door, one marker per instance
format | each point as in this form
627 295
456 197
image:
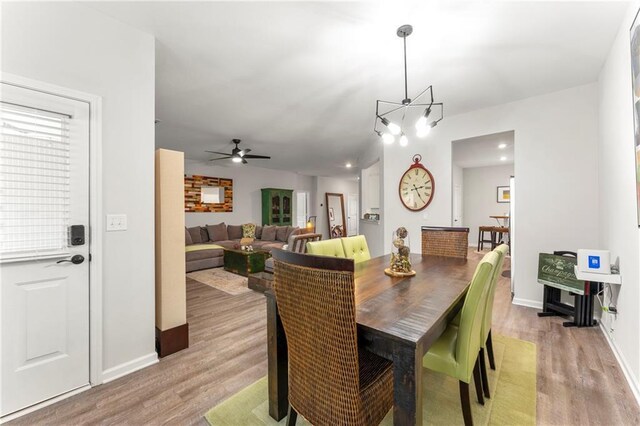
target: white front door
352 216
44 296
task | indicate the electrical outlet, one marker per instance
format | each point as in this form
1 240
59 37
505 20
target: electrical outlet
116 222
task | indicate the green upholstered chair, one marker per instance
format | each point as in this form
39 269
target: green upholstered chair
326 248
487 343
456 352
356 248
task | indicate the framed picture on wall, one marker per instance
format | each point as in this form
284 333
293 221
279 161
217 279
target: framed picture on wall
504 194
635 81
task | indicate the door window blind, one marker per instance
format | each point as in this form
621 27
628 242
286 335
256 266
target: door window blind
34 182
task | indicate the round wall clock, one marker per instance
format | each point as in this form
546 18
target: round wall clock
416 186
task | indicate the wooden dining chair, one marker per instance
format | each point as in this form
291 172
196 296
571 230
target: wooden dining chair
445 241
331 380
456 352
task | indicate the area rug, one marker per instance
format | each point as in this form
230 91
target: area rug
512 385
222 280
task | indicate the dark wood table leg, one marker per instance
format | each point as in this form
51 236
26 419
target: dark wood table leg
407 385
278 376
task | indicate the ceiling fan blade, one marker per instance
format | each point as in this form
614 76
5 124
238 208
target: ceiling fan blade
223 158
257 156
244 161
244 152
219 153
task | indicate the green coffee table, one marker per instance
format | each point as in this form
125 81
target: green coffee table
243 262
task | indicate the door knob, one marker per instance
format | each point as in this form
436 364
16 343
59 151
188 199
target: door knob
76 260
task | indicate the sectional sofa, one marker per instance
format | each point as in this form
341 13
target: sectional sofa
204 244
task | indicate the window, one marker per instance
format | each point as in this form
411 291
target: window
34 182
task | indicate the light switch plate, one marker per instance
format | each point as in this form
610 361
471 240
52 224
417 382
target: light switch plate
116 222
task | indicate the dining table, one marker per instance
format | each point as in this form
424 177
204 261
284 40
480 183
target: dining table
398 318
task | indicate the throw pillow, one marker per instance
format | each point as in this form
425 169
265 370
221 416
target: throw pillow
281 233
234 231
196 237
269 233
218 232
258 232
292 230
187 237
204 235
248 230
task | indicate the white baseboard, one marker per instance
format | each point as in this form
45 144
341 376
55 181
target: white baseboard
528 303
42 404
129 367
628 374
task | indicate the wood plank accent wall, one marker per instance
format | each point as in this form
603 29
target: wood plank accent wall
192 194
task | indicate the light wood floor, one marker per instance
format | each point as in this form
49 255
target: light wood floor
579 380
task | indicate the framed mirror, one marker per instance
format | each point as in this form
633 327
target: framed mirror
335 215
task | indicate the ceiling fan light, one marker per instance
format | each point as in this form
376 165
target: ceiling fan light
393 127
236 159
404 141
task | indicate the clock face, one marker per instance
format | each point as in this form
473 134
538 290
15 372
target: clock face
416 188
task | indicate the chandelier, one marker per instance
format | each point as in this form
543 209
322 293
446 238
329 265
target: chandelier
431 112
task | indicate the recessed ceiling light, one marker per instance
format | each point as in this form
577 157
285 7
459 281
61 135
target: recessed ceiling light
348 165
503 158
502 146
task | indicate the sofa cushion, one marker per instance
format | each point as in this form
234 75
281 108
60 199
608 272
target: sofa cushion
203 254
269 233
217 232
228 244
196 236
281 233
258 232
259 243
270 245
187 237
249 230
234 231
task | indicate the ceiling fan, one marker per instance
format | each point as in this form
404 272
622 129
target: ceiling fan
237 155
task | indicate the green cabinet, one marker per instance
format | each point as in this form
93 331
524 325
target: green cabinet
277 206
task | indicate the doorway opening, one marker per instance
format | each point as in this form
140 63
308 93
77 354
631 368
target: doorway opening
483 189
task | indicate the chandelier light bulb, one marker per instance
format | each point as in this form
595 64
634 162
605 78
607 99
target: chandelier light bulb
393 127
388 138
404 141
236 159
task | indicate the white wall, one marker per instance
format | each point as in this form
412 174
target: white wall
617 208
247 197
480 198
70 45
335 185
555 168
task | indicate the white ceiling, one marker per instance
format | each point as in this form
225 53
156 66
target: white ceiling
299 80
483 151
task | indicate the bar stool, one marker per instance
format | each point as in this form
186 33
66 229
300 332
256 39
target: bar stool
482 238
499 234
